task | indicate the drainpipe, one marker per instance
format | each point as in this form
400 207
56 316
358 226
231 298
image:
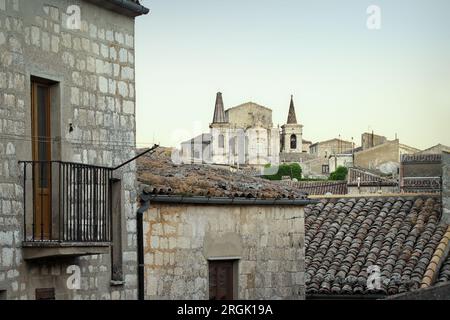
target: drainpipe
145 204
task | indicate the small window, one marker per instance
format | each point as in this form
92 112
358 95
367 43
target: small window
3 295
45 294
221 141
325 169
293 141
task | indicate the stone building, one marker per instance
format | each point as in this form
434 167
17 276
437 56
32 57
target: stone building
242 135
292 133
204 220
421 172
384 158
325 149
364 181
370 140
67 118
245 135
224 248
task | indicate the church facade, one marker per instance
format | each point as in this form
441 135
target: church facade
244 135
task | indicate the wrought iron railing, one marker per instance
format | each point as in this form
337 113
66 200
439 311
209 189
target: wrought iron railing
66 202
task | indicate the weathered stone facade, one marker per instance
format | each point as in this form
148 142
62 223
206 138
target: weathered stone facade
266 241
327 148
93 68
384 158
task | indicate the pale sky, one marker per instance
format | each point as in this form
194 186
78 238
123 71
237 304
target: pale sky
345 78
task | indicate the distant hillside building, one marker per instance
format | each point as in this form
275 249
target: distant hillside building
370 140
324 149
384 158
245 135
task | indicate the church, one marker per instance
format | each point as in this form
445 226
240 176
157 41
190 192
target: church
245 135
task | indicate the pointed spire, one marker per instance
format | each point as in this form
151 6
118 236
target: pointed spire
219 113
291 115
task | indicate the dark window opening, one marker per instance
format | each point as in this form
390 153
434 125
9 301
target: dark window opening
3 295
221 141
293 141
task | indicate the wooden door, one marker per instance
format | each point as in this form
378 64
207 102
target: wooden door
221 280
41 145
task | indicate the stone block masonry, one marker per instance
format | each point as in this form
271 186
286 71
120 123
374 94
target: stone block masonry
266 243
93 68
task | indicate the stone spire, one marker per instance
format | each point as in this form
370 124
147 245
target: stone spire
219 113
291 115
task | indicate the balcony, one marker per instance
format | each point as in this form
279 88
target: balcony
67 209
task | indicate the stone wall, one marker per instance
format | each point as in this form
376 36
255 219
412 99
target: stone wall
250 115
268 242
384 157
446 187
94 70
370 140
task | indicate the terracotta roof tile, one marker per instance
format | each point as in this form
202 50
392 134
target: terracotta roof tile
344 237
319 187
165 177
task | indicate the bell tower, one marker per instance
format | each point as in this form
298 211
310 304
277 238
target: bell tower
291 132
220 134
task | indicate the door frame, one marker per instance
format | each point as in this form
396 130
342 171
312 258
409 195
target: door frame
42 196
234 274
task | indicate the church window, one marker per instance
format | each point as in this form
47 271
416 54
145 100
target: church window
221 141
293 141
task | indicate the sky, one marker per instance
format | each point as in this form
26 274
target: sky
346 78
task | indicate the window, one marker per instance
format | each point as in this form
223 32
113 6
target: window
3 295
325 169
221 280
221 141
293 141
45 294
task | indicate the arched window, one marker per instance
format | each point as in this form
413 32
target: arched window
293 141
221 141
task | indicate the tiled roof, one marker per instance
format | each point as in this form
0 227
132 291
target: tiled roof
319 187
444 274
344 237
367 178
165 177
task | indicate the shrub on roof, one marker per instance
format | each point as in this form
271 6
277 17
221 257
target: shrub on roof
292 170
339 174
